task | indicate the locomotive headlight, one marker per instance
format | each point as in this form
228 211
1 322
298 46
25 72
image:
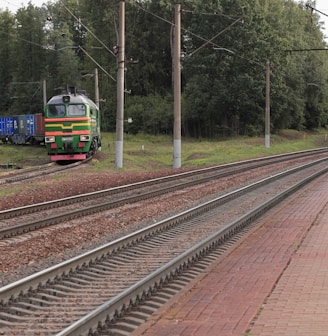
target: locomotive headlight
84 137
49 139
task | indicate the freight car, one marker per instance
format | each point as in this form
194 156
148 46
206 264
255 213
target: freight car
22 129
72 127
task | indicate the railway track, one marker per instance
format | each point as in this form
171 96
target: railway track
88 294
18 221
34 172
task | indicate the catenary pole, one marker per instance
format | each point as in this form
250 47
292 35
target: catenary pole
120 88
267 106
177 88
44 90
96 87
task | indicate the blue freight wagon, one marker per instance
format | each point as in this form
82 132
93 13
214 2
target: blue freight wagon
22 129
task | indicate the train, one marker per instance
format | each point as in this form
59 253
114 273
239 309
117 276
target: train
69 127
72 127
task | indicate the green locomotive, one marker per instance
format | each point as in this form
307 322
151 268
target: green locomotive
72 127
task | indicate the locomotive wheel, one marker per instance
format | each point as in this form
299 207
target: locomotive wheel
93 148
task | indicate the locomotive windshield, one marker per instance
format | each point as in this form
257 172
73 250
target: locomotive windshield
72 110
76 110
56 110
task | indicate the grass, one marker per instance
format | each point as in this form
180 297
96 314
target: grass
152 153
149 153
10 191
22 155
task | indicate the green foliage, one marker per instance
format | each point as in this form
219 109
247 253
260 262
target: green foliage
6 58
151 114
225 48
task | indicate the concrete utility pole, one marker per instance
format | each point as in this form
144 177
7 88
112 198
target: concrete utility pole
96 87
44 90
177 88
120 88
267 107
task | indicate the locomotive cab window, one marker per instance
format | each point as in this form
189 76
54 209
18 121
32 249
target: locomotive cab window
56 110
76 110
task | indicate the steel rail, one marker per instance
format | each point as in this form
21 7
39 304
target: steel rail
58 218
52 220
105 315
33 172
23 286
9 213
48 292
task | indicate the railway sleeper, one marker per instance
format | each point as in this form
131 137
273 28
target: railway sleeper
51 293
71 284
134 320
13 318
38 302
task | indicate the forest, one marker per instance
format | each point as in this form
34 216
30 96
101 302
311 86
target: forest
225 48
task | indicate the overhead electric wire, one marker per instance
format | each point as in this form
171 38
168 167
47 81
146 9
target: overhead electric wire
158 17
93 35
154 15
206 13
317 10
11 3
22 39
79 47
200 37
213 38
106 72
207 41
309 49
88 30
172 24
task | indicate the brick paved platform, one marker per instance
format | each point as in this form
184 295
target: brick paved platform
274 283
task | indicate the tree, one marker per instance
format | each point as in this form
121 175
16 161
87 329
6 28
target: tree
7 60
225 47
30 61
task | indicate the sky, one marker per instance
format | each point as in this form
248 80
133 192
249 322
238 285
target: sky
13 5
322 6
